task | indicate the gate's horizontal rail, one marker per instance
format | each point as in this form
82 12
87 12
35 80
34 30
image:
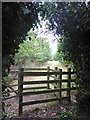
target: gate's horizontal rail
42 101
34 88
14 71
17 71
10 97
39 92
14 91
35 68
52 70
45 91
14 85
45 81
43 73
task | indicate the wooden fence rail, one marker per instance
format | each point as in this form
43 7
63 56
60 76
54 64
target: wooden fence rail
56 81
54 84
43 73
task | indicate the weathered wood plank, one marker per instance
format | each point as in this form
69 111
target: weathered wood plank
15 91
60 84
48 85
39 92
34 88
45 91
10 87
43 73
20 88
14 71
41 101
43 82
69 84
14 85
10 97
52 70
65 89
35 68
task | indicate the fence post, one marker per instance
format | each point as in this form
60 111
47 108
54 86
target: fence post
48 76
60 84
20 89
56 68
68 84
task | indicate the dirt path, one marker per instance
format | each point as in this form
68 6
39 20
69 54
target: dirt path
44 110
37 110
54 64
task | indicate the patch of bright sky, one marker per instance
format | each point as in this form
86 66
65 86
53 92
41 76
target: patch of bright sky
48 35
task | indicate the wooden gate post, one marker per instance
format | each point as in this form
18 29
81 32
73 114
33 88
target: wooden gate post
68 84
20 89
60 85
48 76
56 68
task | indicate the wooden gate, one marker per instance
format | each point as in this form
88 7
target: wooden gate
54 78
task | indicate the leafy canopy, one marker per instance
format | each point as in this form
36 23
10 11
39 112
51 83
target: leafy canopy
33 48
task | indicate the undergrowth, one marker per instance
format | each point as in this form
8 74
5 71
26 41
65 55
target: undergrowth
68 113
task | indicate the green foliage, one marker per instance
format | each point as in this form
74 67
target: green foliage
8 115
71 21
68 113
55 56
62 55
6 81
17 19
11 114
36 49
4 117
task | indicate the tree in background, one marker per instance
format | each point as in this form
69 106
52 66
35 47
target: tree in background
34 49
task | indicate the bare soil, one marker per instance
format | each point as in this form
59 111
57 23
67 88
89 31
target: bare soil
44 110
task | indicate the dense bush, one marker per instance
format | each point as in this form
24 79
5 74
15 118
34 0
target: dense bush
71 22
17 19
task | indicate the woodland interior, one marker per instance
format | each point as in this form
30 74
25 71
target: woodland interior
38 83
